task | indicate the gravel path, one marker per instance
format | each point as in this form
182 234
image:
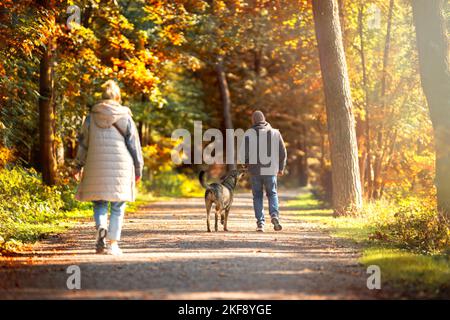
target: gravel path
168 255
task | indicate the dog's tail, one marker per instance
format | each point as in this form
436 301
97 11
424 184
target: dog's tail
202 179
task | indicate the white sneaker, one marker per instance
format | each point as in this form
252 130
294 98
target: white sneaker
115 250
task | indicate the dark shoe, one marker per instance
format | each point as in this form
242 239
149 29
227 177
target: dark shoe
276 224
100 245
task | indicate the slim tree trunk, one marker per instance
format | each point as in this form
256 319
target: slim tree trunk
341 123
432 44
368 154
225 94
303 177
303 172
47 120
257 54
387 48
226 100
47 114
378 165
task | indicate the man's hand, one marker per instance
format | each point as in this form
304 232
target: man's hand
138 179
280 173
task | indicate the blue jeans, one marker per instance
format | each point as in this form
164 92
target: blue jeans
116 220
269 184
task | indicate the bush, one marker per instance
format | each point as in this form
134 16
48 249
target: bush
68 198
24 197
6 156
160 177
28 208
413 224
172 184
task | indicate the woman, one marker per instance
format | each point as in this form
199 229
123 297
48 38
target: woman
109 161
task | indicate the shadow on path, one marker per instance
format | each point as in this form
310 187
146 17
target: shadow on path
168 255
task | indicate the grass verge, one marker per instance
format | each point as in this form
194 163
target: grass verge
26 232
416 273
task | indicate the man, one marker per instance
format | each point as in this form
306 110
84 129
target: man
265 154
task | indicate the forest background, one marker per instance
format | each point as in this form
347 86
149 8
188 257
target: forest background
216 62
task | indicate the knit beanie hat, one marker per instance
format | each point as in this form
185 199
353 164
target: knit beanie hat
258 117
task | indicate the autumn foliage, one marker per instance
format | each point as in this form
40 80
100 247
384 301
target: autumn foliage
165 55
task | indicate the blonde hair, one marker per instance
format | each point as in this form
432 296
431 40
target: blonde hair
111 91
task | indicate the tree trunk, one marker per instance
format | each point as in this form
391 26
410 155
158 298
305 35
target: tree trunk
303 177
432 43
379 159
341 123
367 171
225 94
303 172
140 129
257 54
226 100
387 48
47 115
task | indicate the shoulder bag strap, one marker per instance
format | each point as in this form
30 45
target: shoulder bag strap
120 130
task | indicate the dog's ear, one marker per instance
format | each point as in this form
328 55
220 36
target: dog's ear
242 168
243 171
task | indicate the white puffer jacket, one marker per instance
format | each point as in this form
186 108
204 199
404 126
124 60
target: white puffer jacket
109 172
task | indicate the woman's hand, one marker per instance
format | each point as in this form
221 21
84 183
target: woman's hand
77 174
